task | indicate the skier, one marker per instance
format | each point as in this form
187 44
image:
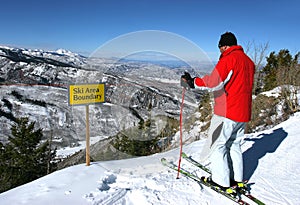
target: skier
231 82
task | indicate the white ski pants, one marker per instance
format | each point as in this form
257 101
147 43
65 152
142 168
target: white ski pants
225 153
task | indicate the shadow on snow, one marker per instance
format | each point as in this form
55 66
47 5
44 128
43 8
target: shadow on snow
266 143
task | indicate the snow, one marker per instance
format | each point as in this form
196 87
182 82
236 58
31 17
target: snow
271 164
67 151
276 92
273 93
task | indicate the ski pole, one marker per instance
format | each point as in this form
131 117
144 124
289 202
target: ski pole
180 131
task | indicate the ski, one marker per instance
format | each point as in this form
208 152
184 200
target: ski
243 191
199 180
194 162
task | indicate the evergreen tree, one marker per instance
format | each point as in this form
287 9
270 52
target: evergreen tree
283 70
279 68
25 158
270 72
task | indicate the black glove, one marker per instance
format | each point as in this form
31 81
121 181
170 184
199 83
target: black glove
187 81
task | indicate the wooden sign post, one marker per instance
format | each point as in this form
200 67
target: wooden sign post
87 136
86 94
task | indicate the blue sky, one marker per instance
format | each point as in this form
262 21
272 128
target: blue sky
83 25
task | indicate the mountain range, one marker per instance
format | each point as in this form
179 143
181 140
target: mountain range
34 84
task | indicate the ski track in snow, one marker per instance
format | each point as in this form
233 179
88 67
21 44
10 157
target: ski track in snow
272 156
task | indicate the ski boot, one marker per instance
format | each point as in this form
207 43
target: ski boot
227 190
240 187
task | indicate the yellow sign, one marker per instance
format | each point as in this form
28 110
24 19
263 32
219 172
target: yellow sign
83 94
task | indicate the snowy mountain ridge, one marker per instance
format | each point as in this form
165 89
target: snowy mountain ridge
34 84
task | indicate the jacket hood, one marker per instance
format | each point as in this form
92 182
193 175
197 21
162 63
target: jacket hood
231 49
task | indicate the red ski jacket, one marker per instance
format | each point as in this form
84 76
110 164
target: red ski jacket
231 82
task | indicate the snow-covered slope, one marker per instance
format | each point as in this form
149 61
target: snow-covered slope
271 164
